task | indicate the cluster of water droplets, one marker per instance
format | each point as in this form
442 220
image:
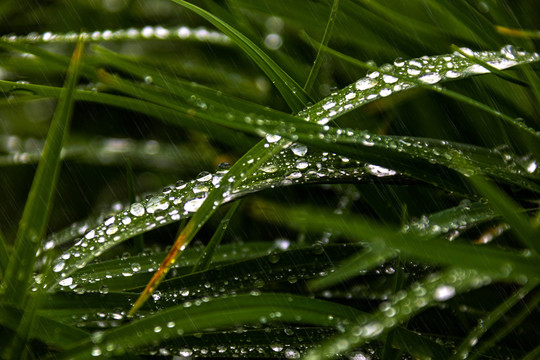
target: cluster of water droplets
293 165
146 33
436 288
403 74
458 219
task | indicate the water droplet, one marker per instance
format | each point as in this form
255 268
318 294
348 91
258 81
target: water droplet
272 138
66 282
194 204
299 149
413 71
385 92
444 292
136 267
379 170
204 176
431 78
157 203
59 266
399 62
273 41
185 352
329 105
389 79
365 83
451 74
137 209
509 52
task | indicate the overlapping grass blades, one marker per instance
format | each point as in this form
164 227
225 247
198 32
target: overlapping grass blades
32 226
254 297
37 210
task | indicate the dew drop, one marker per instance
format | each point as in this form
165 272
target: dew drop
299 149
157 203
272 138
389 79
66 282
329 105
444 292
59 266
194 205
365 83
431 78
137 209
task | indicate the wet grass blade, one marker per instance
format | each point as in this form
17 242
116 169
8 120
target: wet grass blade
164 113
252 160
492 69
435 289
293 94
220 313
487 260
504 59
519 222
488 321
528 308
208 253
51 332
312 76
4 255
38 205
437 224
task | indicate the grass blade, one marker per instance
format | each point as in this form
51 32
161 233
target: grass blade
512 324
312 76
435 289
4 254
487 322
206 257
38 205
217 313
511 212
293 94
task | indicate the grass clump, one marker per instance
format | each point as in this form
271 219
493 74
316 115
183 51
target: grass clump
192 199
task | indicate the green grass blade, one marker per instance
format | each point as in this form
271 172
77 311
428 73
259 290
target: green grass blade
181 200
312 76
208 253
492 69
51 332
413 73
377 254
38 205
520 224
4 254
293 94
533 355
528 308
139 239
435 289
164 113
484 259
443 222
487 322
218 313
